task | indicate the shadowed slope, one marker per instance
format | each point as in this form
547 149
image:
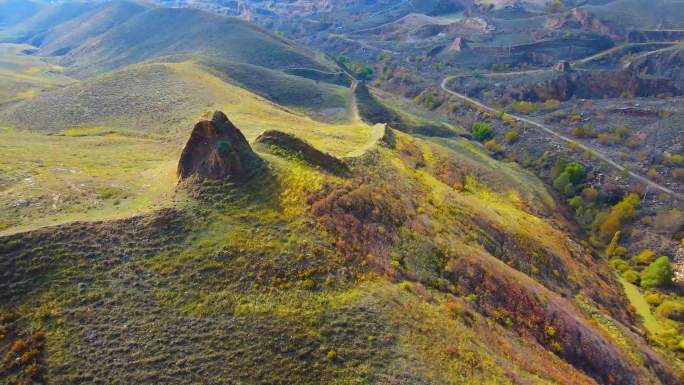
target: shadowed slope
292 147
68 35
163 31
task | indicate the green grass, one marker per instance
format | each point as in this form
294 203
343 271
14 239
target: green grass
264 292
322 101
636 298
125 144
67 178
24 76
152 101
161 32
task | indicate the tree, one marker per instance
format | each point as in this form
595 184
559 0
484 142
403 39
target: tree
645 257
631 276
576 172
578 132
606 225
362 71
343 59
481 131
610 250
429 103
657 274
561 182
672 310
554 6
572 176
511 136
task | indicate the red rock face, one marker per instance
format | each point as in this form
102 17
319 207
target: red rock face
216 150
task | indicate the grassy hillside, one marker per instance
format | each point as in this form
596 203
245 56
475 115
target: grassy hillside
24 76
299 276
143 107
54 179
162 31
152 100
70 34
416 257
641 14
46 17
328 102
14 11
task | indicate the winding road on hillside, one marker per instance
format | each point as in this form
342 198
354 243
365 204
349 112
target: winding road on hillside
549 130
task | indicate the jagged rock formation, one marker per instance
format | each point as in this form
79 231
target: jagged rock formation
563 66
291 146
217 150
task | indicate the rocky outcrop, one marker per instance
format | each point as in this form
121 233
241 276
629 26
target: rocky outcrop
282 143
563 66
217 150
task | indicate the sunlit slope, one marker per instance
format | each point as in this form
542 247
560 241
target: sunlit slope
641 14
409 270
24 76
159 100
64 149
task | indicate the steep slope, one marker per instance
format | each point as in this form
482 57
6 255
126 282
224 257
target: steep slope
287 242
321 100
384 282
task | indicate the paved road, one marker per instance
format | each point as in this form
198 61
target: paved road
564 138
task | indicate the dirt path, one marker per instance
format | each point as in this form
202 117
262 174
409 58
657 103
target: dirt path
354 105
564 138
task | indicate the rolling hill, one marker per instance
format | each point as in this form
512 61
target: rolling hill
65 36
14 11
38 18
162 32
